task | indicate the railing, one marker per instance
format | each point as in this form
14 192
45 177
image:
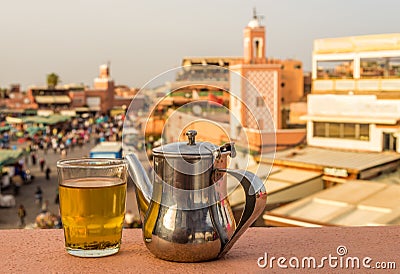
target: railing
372 84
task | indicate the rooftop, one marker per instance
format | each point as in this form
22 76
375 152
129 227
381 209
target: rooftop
390 41
354 203
321 157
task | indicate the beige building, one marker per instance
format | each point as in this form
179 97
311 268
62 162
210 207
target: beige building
50 98
355 100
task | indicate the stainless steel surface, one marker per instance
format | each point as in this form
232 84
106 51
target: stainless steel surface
179 149
256 199
191 134
189 218
143 185
190 148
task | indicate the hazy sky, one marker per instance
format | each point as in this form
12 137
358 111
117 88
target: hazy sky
142 39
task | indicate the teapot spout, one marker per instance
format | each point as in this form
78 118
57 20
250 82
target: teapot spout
144 187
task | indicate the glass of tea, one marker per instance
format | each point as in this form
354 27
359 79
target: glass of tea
92 205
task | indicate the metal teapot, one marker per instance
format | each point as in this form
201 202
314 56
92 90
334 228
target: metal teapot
185 211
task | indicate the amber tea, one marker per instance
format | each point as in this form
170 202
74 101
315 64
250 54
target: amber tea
92 211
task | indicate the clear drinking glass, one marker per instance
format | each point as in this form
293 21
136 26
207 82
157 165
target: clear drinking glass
92 205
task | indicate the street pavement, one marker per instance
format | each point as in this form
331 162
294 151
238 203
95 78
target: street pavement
9 217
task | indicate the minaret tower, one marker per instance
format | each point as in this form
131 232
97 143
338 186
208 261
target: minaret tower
254 102
254 41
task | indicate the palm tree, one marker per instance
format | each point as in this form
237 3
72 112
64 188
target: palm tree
52 80
3 93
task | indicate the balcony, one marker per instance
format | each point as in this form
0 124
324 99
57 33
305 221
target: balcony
362 86
42 251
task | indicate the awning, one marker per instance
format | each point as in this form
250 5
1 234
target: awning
31 111
5 128
68 112
13 120
82 109
350 119
16 111
49 120
8 156
33 130
56 99
115 112
94 108
45 112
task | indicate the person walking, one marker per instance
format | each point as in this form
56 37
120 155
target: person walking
38 196
41 163
57 199
48 171
45 147
21 215
33 156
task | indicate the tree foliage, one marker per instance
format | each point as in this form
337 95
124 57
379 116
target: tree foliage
52 80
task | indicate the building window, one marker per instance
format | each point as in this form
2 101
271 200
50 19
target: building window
364 132
260 101
334 130
349 131
341 130
257 48
335 69
385 67
319 129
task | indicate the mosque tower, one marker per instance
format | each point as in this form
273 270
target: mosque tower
254 41
254 85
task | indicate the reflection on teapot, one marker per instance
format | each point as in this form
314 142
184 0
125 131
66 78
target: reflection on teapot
185 211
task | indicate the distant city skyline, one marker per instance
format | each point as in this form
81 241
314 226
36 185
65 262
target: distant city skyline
143 39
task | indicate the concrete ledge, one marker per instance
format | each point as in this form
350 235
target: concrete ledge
42 251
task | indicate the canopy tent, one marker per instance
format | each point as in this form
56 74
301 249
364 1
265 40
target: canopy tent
33 130
4 128
45 120
49 120
9 156
13 120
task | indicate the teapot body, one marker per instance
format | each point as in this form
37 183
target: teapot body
184 208
189 218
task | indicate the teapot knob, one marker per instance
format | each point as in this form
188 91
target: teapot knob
191 134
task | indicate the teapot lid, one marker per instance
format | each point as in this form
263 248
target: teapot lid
190 148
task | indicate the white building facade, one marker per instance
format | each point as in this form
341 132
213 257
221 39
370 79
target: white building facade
355 100
355 122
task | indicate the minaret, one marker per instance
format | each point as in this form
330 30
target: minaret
104 81
104 88
254 102
104 71
254 41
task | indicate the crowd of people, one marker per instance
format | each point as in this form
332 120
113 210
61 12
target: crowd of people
77 132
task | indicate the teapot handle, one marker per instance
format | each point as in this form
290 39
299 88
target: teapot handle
256 198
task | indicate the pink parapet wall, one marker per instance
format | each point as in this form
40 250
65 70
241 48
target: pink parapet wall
42 251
